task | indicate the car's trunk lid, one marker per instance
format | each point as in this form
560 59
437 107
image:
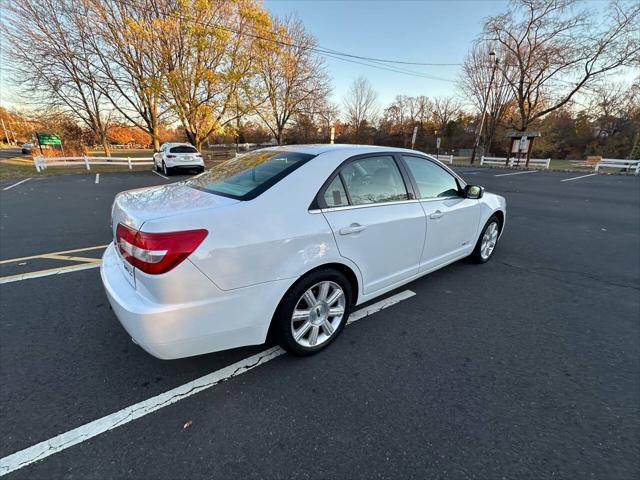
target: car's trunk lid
134 207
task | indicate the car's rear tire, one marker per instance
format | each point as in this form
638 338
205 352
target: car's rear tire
488 240
166 170
313 312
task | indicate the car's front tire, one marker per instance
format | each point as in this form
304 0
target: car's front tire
486 244
313 312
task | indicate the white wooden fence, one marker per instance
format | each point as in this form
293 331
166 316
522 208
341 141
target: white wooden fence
42 163
628 165
513 162
443 158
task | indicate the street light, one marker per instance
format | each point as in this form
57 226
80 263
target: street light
492 55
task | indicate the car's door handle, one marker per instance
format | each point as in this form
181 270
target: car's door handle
353 228
437 214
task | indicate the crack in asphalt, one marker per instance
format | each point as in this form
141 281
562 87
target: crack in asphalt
80 435
541 270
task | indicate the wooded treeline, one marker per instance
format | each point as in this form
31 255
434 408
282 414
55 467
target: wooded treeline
221 71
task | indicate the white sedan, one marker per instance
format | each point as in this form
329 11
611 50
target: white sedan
286 240
178 156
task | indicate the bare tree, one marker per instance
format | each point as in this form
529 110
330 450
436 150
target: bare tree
553 52
400 114
611 105
328 115
53 60
474 85
361 105
445 110
292 78
127 59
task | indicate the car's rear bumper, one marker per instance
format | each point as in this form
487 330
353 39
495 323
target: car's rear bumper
228 319
185 165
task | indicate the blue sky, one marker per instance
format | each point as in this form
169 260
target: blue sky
429 31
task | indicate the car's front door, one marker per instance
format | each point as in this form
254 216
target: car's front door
452 219
375 222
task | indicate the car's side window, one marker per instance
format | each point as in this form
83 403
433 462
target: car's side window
433 181
334 195
373 180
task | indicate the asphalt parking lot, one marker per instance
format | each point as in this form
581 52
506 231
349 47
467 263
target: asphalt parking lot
525 367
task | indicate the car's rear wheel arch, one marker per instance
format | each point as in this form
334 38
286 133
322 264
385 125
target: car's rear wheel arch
339 267
346 271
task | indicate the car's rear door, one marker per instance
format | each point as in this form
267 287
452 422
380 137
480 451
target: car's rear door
375 220
452 219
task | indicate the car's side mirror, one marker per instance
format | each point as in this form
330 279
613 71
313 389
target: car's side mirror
473 192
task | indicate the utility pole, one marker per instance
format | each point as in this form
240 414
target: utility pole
13 132
5 131
492 54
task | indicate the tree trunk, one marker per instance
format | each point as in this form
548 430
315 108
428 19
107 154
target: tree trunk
105 145
280 135
155 137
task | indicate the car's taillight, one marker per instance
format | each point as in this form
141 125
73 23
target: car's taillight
156 253
171 156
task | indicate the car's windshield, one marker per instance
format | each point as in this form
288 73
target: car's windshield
247 176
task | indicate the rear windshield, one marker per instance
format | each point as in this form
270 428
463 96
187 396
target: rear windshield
247 176
183 149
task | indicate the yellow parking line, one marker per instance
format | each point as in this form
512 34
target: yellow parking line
50 271
44 255
54 256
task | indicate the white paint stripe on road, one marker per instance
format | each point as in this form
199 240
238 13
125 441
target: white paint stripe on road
576 178
382 304
16 184
159 174
515 173
50 271
65 440
97 178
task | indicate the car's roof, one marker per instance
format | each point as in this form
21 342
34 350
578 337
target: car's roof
317 149
175 144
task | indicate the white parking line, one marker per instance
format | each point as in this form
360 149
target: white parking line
159 174
576 178
16 184
97 178
65 440
515 173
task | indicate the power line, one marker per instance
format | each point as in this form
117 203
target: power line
347 57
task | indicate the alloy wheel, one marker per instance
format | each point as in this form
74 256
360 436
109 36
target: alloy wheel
318 314
489 240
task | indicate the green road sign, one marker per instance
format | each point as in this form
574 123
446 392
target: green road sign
48 139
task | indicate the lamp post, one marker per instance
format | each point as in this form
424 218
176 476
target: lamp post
492 54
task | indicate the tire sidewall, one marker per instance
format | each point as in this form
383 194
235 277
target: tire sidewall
282 318
477 257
